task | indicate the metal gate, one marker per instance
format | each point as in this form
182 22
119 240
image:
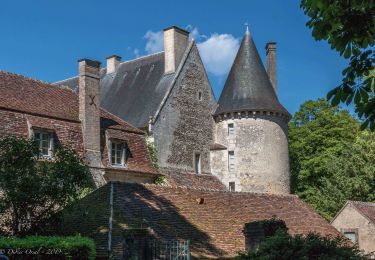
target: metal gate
152 249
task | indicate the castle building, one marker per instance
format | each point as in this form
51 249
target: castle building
240 140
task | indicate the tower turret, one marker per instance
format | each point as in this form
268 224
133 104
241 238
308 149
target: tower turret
252 124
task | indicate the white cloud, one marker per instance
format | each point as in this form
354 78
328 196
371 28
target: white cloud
217 51
155 41
136 53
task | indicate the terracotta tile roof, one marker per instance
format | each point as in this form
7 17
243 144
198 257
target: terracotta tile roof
35 97
28 95
192 180
365 208
214 227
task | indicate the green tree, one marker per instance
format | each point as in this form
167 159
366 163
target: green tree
313 246
32 190
349 28
331 160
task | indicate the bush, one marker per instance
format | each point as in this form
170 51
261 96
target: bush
313 246
42 247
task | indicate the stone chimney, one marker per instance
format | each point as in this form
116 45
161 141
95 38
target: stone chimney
271 63
89 109
112 62
175 43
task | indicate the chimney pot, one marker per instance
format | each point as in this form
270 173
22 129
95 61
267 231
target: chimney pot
271 64
112 62
175 42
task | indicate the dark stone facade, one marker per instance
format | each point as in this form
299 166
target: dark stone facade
185 125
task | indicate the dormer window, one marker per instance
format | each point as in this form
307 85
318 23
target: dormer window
44 141
118 153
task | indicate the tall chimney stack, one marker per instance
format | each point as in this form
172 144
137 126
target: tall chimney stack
112 63
271 63
175 42
89 109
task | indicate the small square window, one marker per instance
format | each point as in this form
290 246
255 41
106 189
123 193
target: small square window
44 141
118 153
232 186
352 236
230 129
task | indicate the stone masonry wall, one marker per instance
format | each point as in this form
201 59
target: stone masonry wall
260 148
185 125
350 218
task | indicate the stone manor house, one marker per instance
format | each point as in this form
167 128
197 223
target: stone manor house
226 162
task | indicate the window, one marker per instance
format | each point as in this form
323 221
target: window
45 142
197 162
200 96
118 153
231 162
352 235
230 129
232 186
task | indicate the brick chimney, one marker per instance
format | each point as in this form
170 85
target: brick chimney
175 42
89 109
112 62
271 63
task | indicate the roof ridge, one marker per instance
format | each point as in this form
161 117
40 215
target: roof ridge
368 203
26 77
218 190
44 83
142 57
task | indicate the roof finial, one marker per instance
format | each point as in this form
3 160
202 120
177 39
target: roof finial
247 28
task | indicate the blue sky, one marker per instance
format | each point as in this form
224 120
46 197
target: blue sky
44 39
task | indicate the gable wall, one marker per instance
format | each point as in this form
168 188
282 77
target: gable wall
350 218
185 125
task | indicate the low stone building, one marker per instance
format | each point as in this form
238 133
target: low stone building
211 220
356 220
111 147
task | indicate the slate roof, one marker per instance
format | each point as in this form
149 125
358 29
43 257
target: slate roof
135 90
248 87
213 227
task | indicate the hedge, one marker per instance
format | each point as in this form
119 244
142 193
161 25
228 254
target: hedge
44 247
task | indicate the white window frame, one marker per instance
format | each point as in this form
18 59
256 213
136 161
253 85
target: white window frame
231 154
231 131
123 156
198 168
50 141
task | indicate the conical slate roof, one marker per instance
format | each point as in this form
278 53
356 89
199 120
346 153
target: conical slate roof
248 87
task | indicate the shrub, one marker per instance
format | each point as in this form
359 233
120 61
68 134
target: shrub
42 247
313 246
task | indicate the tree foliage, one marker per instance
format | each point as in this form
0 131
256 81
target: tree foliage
313 246
331 160
349 27
32 189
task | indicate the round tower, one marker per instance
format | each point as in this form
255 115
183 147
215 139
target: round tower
251 150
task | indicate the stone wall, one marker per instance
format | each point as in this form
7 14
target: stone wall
350 218
260 146
185 125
